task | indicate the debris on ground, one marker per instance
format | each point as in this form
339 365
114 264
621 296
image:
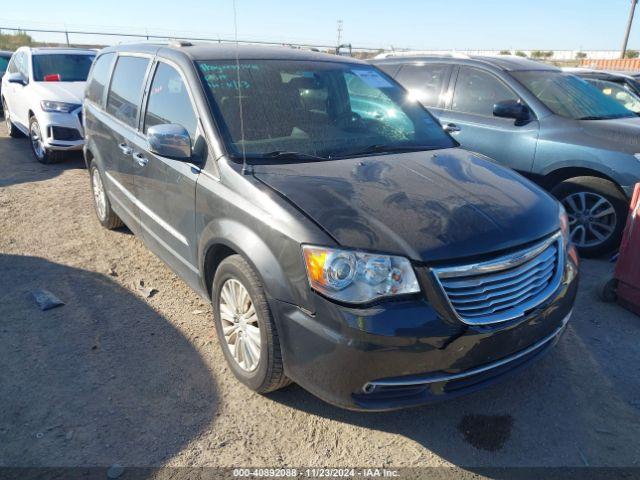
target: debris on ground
112 271
46 300
148 292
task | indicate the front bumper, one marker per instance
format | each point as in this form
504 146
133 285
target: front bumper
408 353
62 131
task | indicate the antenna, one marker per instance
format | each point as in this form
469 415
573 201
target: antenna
235 27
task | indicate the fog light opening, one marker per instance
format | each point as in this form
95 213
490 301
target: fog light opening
368 388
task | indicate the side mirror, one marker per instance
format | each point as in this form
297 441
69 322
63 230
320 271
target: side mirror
16 77
511 109
169 140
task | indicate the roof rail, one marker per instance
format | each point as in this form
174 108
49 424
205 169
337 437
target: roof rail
174 42
421 53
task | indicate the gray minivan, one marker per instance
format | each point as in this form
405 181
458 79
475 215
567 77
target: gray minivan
366 257
549 125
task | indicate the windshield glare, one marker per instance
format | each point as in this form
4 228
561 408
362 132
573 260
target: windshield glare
617 92
570 96
69 67
324 109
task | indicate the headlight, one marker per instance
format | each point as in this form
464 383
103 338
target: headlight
564 224
358 277
61 107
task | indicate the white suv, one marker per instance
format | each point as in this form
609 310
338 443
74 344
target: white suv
42 93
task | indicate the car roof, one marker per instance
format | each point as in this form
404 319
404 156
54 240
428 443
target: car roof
502 62
602 74
5 53
53 50
231 51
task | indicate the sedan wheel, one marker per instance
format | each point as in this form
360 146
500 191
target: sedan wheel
240 325
592 218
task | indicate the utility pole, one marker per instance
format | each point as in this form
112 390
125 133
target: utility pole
629 22
340 32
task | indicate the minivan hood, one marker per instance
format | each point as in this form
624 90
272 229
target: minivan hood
619 134
70 92
428 206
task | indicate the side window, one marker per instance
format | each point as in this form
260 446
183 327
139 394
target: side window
125 93
99 77
169 101
426 83
19 64
477 91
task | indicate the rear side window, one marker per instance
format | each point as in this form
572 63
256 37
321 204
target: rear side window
125 93
169 101
477 91
99 78
426 83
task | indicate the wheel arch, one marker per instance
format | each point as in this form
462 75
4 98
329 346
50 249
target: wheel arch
559 175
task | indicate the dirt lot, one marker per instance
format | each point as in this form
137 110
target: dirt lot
114 377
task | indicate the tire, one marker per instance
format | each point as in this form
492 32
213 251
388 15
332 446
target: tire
12 130
40 153
608 291
106 216
597 228
268 374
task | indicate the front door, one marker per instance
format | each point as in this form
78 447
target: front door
165 188
470 120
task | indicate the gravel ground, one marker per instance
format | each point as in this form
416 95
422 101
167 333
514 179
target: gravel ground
115 377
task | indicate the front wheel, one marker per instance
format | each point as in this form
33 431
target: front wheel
38 149
597 212
245 326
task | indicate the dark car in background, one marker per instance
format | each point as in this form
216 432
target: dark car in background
5 56
367 258
622 87
547 124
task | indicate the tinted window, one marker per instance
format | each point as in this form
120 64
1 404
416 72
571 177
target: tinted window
169 101
4 62
324 108
569 96
477 91
99 77
126 88
424 82
617 92
67 67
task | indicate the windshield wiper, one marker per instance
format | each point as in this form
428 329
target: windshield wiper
604 117
382 148
281 154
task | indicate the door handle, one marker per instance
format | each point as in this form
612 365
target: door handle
126 149
451 128
140 159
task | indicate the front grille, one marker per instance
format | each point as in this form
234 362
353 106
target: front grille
64 133
506 287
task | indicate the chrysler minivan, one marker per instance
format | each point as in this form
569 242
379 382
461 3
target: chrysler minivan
549 125
356 251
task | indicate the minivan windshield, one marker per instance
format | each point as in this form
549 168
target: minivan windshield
570 96
275 109
63 67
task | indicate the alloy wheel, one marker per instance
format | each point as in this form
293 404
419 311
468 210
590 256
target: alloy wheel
99 194
592 218
240 324
36 140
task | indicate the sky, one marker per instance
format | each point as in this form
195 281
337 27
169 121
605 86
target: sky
418 24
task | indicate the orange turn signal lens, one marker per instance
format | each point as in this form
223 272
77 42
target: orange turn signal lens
315 259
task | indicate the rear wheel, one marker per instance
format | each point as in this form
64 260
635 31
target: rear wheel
105 214
38 149
597 212
12 130
245 327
